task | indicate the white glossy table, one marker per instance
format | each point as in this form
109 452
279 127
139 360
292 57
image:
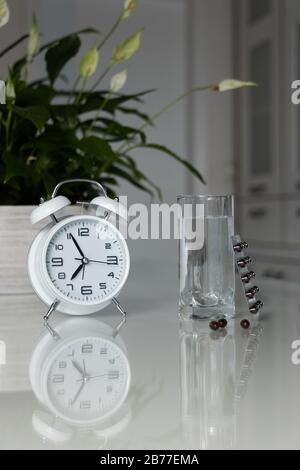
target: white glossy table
188 389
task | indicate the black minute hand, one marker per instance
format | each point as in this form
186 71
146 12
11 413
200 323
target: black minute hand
77 246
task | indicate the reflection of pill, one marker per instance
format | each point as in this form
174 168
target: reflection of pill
256 307
245 324
214 325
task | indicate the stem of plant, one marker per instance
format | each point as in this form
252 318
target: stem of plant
100 45
74 88
103 75
79 96
104 103
168 106
111 31
7 127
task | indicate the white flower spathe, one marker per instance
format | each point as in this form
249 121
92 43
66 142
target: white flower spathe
118 81
232 84
129 7
4 13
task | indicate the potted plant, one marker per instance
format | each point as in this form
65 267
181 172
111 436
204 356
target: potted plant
48 132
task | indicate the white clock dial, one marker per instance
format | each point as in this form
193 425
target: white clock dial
88 380
86 260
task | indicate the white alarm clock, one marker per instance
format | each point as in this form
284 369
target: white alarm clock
78 264
80 372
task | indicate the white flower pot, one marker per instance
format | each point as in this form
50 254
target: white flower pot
16 235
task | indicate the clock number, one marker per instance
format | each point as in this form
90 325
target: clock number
59 247
102 285
85 405
113 374
57 262
83 232
111 274
61 276
112 260
86 290
107 246
58 378
71 286
62 364
87 348
69 236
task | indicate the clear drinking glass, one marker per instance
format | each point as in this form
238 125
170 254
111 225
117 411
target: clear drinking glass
206 259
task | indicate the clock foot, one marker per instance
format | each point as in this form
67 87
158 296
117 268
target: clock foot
51 330
119 306
117 329
51 310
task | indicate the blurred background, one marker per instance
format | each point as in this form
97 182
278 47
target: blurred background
246 142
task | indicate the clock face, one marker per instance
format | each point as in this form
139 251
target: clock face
86 260
88 380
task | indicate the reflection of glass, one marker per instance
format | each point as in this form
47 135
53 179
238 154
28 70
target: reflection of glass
261 109
80 371
258 9
212 386
206 262
207 387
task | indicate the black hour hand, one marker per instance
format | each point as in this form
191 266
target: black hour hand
77 271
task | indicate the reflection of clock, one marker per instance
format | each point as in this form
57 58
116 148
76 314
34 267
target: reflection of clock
83 374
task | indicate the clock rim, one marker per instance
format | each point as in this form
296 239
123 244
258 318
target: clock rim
76 327
46 275
45 369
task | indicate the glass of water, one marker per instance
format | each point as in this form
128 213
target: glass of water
206 258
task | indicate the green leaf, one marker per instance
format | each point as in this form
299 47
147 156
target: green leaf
130 178
18 66
50 44
36 114
95 146
137 113
130 163
15 166
35 96
53 141
116 131
66 115
162 148
93 101
59 54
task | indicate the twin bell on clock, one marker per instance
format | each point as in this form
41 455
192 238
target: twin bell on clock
78 264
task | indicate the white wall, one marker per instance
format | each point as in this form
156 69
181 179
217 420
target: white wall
210 57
